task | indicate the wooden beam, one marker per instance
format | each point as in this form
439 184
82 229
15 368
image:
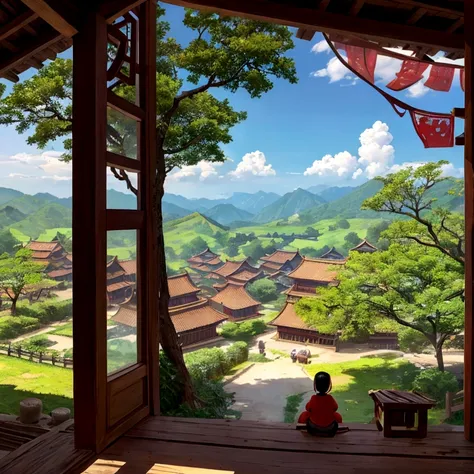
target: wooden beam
51 15
455 26
416 15
17 24
305 34
469 223
459 112
356 7
113 9
28 49
328 22
323 5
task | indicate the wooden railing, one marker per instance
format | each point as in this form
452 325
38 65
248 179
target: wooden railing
41 357
454 402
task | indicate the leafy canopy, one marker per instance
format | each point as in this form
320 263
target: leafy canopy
227 53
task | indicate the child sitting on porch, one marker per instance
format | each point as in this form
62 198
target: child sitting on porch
321 414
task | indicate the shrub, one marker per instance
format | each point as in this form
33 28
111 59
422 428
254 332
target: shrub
14 326
38 343
207 363
237 353
435 384
263 290
244 330
412 341
47 312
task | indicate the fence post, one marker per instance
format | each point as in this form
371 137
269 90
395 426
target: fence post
40 359
64 362
9 350
449 402
19 352
53 359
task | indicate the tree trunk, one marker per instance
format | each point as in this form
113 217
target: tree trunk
13 308
439 356
168 337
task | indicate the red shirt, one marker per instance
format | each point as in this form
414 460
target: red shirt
322 409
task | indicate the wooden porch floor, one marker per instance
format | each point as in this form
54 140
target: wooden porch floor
190 446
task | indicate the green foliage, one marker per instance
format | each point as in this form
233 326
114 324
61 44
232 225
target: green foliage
260 358
8 243
412 341
374 233
47 312
197 245
237 353
352 239
435 384
343 224
263 290
120 353
243 331
63 330
312 232
39 343
14 326
290 411
232 250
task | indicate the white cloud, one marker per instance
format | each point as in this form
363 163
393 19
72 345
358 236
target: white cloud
46 165
252 164
342 164
335 70
448 169
320 47
376 153
203 171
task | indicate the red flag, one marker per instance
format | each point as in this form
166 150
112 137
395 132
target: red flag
440 78
435 130
462 77
410 73
362 60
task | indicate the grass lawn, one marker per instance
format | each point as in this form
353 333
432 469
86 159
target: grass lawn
293 403
64 330
20 236
123 253
21 379
238 367
352 380
50 234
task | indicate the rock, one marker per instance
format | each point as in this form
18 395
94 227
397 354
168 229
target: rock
30 410
60 415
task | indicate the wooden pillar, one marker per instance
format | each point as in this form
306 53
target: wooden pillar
88 221
469 215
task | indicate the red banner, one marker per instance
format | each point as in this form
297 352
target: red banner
440 78
435 130
462 77
362 60
410 73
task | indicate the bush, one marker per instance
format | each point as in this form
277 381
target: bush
38 343
14 326
207 363
47 312
435 384
243 331
412 341
263 290
237 353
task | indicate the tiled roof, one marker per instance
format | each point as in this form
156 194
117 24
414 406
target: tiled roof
214 261
42 246
271 267
245 275
293 292
234 297
181 285
316 270
59 273
333 253
199 259
130 266
366 244
288 318
228 268
117 286
196 315
280 256
44 255
127 314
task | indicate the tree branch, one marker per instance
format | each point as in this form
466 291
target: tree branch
190 143
123 176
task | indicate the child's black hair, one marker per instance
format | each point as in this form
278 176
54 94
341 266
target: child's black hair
322 383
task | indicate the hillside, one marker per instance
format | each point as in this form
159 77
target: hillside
28 204
9 216
7 194
226 213
252 203
335 192
172 211
288 205
118 200
49 216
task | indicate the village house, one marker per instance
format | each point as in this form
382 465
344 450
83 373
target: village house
280 261
237 273
364 247
234 301
333 254
205 262
120 288
57 262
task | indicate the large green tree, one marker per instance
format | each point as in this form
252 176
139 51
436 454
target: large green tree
409 193
225 53
408 284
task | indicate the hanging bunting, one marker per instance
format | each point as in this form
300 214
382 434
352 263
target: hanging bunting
440 78
462 77
435 130
410 73
362 60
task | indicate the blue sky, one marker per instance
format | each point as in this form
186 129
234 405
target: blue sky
295 136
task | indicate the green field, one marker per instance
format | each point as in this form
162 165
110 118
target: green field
20 379
63 330
123 253
20 236
50 234
352 380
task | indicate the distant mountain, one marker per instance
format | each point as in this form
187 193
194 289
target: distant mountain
49 216
317 189
172 211
195 223
193 205
7 194
335 192
252 203
66 202
289 204
118 200
28 204
227 213
9 216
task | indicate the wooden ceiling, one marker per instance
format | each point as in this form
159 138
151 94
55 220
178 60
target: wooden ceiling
32 31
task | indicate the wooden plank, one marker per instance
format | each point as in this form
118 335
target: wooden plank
50 15
356 7
124 219
124 106
16 24
138 453
115 160
113 9
328 22
89 229
417 14
459 112
469 222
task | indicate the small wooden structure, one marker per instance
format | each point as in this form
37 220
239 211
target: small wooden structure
280 261
58 262
239 273
333 254
364 247
234 301
205 261
395 409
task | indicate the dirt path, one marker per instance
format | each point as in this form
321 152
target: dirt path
62 343
260 393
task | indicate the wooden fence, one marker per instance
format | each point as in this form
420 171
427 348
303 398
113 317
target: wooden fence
454 402
41 357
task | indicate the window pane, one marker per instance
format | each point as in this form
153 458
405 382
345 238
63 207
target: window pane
118 194
122 133
122 315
